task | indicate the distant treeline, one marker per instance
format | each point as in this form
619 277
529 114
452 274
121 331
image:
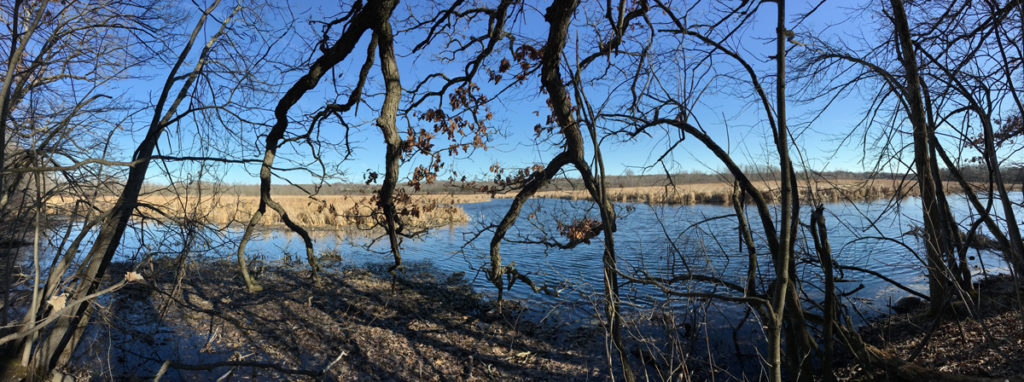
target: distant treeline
974 174
1012 174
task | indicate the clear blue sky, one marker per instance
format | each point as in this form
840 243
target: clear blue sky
733 120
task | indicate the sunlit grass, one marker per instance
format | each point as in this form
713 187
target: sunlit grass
721 193
327 211
435 210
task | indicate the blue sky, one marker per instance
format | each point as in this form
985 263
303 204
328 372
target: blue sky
725 113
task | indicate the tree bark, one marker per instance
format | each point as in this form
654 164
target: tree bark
364 19
819 233
783 257
389 128
937 271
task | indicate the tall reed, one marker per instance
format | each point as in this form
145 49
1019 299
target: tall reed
719 192
330 211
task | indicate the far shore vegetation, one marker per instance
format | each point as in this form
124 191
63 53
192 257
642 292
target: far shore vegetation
353 205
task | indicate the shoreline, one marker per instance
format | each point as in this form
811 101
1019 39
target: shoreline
721 193
986 340
381 329
433 210
360 325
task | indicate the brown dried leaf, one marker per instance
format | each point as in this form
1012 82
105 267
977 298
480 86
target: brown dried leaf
132 277
58 302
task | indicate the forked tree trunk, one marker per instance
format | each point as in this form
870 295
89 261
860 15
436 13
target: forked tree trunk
366 18
936 248
559 15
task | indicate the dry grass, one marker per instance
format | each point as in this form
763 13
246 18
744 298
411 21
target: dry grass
986 342
434 210
721 192
331 211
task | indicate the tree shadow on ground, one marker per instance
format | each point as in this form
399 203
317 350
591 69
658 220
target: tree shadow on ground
360 325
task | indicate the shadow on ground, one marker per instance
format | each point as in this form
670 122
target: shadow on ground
361 325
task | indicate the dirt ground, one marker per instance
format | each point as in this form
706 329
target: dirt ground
986 340
362 325
358 326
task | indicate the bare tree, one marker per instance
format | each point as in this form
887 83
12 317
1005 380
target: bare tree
361 19
945 81
781 307
62 61
55 332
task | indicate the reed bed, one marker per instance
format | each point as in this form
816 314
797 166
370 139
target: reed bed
435 210
721 193
322 212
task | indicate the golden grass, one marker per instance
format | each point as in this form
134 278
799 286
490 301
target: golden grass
721 192
435 210
330 211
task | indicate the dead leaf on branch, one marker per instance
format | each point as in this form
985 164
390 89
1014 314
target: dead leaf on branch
58 302
580 230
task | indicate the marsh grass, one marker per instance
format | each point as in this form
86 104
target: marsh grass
720 192
426 210
327 211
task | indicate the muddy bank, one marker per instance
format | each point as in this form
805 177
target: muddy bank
359 326
427 326
983 340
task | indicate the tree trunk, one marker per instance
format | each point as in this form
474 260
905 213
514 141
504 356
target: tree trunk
389 128
361 22
819 233
55 347
782 258
937 271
